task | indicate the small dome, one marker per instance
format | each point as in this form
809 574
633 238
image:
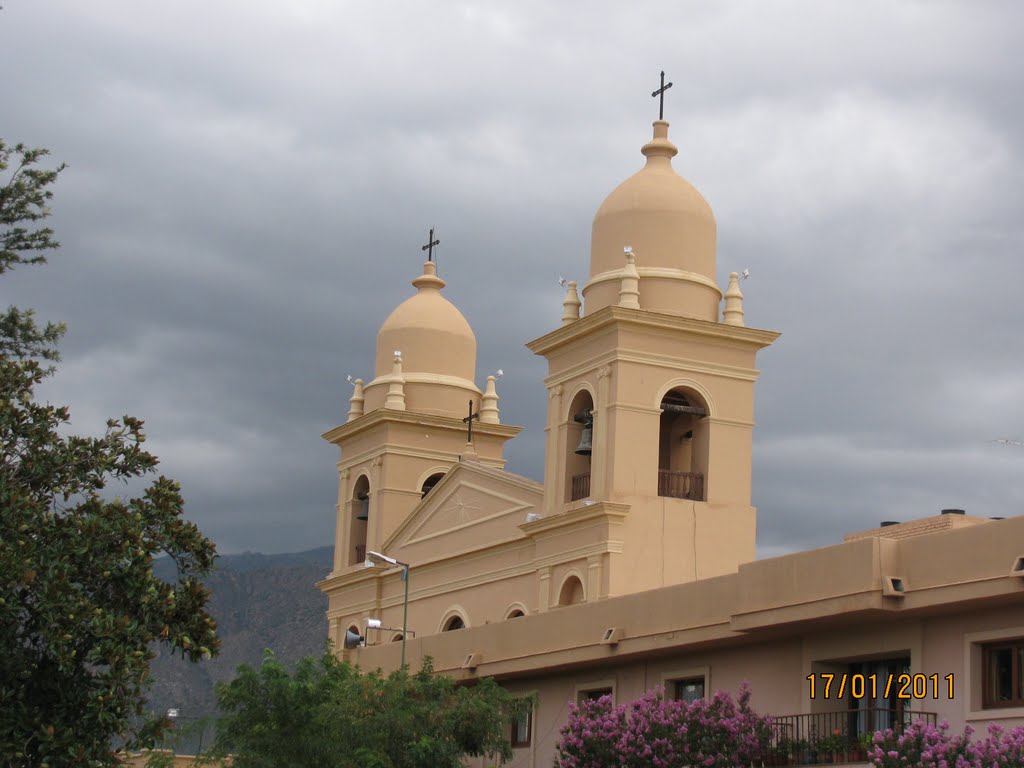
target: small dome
671 229
438 351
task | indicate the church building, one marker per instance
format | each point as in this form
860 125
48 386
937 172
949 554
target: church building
633 564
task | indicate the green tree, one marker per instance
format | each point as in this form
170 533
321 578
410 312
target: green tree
330 715
80 607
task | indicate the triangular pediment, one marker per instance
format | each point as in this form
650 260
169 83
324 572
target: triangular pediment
473 507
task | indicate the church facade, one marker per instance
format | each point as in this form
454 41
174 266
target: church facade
633 564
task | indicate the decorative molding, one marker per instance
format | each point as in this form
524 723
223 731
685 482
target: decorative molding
732 422
381 416
748 337
665 273
426 378
555 391
604 372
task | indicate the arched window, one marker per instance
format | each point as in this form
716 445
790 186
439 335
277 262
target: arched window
397 638
455 622
571 592
683 445
578 446
515 613
359 519
430 482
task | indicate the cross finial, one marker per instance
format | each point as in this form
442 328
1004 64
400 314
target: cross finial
469 422
660 93
429 247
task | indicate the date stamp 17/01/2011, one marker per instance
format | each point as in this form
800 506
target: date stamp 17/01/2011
828 685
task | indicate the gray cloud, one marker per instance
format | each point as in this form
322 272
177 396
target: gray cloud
249 185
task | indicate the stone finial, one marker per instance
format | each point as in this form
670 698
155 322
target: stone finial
396 388
357 401
469 453
629 285
570 304
489 403
733 312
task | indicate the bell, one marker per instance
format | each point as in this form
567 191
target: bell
364 508
586 440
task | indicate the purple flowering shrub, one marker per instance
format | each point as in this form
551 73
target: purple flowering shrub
928 746
664 733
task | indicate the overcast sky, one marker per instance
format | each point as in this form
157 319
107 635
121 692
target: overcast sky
249 184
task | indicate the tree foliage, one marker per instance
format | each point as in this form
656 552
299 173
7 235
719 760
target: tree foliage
80 607
330 715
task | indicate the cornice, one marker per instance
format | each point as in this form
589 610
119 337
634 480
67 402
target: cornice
686 365
380 416
615 315
609 511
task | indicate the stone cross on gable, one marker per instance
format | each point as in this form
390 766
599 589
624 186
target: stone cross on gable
468 421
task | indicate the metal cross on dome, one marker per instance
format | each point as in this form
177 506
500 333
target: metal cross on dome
468 421
660 93
429 247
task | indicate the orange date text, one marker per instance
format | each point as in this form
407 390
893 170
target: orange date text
829 685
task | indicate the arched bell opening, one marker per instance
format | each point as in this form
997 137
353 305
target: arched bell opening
359 520
430 482
579 446
571 592
683 445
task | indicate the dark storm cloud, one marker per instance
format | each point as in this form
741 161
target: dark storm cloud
249 185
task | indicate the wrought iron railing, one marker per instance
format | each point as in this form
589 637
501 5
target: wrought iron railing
841 736
681 485
580 487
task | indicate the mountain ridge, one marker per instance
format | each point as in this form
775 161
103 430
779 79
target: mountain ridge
259 601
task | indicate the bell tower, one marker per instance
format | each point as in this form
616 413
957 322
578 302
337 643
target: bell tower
406 427
651 390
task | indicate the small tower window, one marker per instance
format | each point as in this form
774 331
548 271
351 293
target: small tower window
683 445
430 482
359 519
579 446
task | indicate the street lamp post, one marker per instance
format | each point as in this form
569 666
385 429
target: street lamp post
371 559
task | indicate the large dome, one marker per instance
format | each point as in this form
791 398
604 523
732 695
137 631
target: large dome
438 350
671 229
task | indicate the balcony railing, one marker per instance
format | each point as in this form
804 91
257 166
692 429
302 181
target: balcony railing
360 554
681 485
580 487
834 737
